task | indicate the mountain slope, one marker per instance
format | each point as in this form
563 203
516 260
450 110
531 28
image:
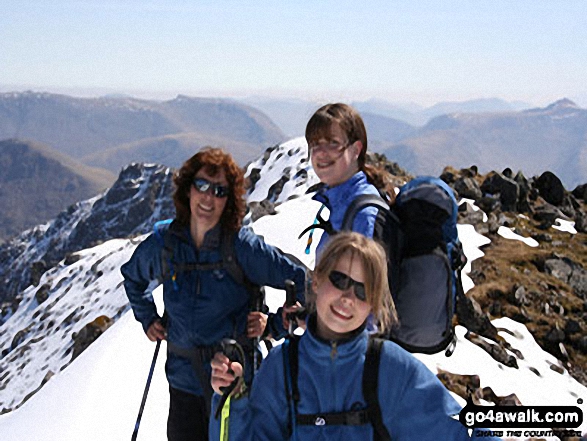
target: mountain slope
37 183
81 127
553 138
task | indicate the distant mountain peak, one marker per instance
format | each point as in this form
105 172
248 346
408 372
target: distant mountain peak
564 103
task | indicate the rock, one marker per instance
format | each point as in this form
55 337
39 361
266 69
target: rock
542 237
508 190
38 268
555 335
559 269
551 188
42 293
580 192
581 222
578 281
508 173
548 213
468 188
572 327
520 296
489 204
523 198
88 334
260 209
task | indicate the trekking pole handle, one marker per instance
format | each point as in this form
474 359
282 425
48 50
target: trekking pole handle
290 300
290 293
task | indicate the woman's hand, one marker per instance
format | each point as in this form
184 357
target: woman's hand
156 331
256 323
224 372
292 311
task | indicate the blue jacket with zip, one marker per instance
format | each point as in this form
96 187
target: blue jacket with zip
203 306
415 406
337 199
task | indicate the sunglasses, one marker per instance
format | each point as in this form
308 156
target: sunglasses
330 147
203 185
343 282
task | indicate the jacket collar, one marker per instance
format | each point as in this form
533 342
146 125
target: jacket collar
340 194
212 238
348 347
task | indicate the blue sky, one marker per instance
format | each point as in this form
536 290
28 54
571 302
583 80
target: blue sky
419 51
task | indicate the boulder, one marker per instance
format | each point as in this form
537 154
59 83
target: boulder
496 183
551 188
467 187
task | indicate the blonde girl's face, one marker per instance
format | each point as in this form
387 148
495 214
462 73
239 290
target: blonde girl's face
340 312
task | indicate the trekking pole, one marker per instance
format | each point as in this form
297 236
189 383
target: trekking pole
144 400
290 300
259 302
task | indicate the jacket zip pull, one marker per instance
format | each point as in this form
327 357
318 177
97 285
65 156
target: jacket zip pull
334 350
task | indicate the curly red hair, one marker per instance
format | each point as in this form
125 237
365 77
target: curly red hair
212 160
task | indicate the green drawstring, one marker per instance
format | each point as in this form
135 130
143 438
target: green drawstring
311 236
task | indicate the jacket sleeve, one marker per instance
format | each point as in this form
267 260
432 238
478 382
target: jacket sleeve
269 406
141 274
266 265
364 222
414 403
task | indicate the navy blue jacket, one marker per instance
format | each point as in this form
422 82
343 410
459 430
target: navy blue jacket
203 306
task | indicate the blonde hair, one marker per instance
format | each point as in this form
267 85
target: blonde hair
372 256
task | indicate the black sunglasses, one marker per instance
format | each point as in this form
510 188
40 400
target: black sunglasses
343 282
203 185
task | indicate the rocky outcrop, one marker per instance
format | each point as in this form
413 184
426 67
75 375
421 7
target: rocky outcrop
141 196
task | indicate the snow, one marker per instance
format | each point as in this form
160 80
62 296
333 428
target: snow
508 233
565 225
97 396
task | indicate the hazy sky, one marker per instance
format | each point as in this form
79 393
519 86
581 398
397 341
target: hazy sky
408 50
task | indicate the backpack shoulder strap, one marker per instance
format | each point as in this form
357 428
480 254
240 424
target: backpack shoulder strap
290 368
362 201
229 260
160 230
370 381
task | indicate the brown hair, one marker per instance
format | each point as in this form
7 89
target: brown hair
353 126
212 160
372 256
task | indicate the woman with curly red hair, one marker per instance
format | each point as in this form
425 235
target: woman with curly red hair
206 299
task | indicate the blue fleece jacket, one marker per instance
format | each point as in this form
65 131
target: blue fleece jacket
203 306
414 403
337 199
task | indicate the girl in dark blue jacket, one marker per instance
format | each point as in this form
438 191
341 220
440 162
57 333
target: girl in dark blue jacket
204 301
349 284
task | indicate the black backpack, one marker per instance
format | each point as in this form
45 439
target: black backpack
419 234
369 415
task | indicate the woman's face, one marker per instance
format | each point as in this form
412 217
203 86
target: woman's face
340 312
205 208
335 160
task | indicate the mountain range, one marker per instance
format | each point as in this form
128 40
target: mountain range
111 132
488 133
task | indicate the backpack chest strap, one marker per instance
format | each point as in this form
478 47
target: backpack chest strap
350 418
